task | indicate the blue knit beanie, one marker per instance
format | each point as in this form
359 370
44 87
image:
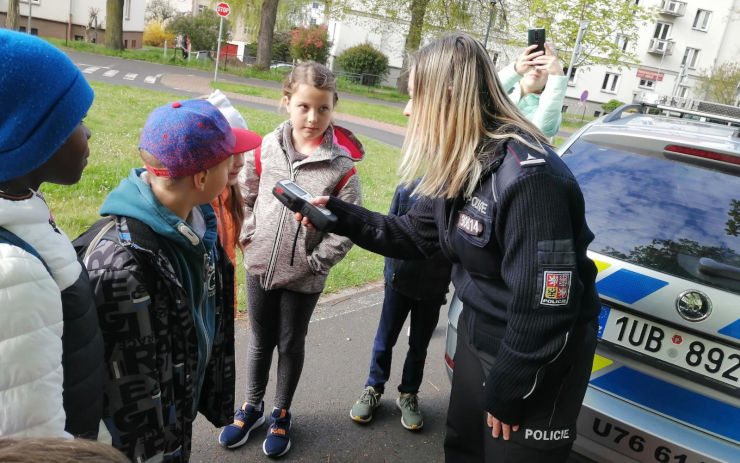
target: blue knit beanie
43 97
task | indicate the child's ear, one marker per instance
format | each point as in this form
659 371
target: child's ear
286 100
199 180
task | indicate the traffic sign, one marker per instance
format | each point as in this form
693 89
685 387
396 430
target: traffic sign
223 9
584 96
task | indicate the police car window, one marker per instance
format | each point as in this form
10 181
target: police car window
657 213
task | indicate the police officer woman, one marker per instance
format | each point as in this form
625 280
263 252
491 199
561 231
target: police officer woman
510 216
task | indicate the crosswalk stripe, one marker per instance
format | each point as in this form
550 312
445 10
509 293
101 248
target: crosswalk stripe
150 79
110 73
130 76
91 69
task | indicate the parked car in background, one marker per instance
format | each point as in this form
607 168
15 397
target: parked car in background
663 200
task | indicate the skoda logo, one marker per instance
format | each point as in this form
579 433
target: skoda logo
693 305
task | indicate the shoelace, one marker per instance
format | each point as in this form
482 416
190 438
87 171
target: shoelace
369 398
411 402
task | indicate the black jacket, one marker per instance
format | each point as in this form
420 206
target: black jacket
518 248
426 279
151 349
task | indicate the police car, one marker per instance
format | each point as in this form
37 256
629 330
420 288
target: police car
663 199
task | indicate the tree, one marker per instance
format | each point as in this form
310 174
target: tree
611 105
114 24
310 43
422 17
266 33
13 18
202 29
156 36
363 59
721 83
610 23
159 11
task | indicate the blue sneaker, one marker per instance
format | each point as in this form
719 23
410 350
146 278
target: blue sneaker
246 419
277 442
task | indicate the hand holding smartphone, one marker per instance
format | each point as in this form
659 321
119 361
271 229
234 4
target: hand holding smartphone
297 199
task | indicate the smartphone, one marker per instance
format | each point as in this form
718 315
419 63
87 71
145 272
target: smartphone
297 199
536 36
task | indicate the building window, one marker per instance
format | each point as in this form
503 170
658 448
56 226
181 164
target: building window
34 31
701 20
597 113
127 9
690 57
79 38
133 43
683 91
662 30
201 8
622 42
647 83
315 5
494 58
33 2
125 43
564 109
610 83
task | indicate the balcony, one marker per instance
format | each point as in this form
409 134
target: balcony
661 46
672 8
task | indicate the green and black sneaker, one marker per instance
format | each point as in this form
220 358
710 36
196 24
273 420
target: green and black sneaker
410 414
362 410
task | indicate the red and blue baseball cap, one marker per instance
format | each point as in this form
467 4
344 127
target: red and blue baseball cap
191 136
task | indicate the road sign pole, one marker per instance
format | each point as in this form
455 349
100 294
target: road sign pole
218 48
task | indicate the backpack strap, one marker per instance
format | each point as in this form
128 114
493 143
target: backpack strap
258 161
344 181
7 236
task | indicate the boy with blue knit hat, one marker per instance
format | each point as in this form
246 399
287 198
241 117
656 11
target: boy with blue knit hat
51 358
163 285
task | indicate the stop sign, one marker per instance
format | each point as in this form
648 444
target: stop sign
223 9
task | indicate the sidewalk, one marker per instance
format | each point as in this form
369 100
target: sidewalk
202 85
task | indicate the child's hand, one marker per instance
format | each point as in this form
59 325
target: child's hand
317 201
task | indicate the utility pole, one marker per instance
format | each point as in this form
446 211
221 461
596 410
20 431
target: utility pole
28 28
582 26
490 21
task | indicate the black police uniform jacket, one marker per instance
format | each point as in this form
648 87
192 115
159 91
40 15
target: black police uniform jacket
518 247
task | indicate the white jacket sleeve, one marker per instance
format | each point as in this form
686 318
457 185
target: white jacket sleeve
31 374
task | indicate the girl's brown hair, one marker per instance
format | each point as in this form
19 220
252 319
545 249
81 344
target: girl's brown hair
310 73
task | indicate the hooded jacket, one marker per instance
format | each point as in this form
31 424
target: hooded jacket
165 299
544 109
50 345
278 250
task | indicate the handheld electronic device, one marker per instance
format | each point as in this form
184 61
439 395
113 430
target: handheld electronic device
537 36
297 199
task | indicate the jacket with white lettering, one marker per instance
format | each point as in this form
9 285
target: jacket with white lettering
518 248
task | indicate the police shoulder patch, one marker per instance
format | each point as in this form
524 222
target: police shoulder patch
556 287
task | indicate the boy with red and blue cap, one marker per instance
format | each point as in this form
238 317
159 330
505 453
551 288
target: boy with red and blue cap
163 285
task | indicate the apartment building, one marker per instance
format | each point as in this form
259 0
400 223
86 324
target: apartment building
75 19
686 38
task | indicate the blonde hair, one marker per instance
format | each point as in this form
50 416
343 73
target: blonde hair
458 106
16 450
310 73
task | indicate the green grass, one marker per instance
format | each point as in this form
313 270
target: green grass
156 55
371 111
115 120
